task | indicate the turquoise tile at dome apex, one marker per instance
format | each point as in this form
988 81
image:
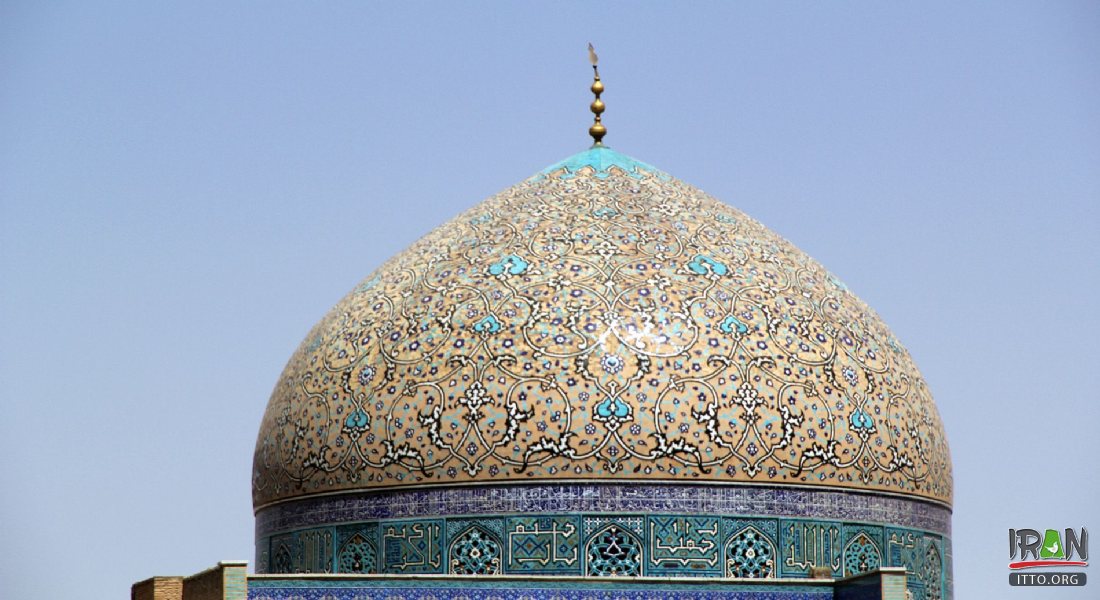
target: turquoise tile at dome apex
601 159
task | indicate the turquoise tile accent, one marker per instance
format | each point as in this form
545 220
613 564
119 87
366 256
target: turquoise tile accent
544 545
684 546
602 160
805 544
412 547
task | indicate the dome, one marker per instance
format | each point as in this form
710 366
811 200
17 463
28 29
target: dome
601 323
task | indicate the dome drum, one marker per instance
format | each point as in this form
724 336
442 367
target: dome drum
562 530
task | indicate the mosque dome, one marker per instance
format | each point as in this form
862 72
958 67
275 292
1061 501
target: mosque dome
601 321
603 352
603 371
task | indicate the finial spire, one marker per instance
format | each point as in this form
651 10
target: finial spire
597 130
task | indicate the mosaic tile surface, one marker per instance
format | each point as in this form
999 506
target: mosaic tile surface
729 501
475 589
923 559
597 545
685 545
544 545
600 321
412 546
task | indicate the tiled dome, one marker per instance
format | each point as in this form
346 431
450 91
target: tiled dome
600 322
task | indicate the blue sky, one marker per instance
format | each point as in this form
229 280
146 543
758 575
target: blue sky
184 191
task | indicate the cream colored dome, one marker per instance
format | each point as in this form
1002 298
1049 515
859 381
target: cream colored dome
600 321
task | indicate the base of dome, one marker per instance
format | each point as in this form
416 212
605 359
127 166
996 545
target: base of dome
594 531
881 584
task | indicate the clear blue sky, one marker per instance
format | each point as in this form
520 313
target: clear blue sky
184 191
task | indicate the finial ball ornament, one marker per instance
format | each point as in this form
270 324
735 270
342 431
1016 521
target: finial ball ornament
597 132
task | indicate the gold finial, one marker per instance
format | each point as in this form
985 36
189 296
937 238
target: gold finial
597 130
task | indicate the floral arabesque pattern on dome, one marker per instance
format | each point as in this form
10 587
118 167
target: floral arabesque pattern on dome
600 321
